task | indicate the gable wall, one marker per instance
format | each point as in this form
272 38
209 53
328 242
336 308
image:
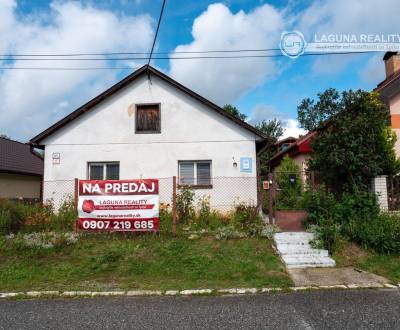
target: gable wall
189 131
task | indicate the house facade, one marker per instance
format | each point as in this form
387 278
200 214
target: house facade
298 149
389 90
21 171
150 126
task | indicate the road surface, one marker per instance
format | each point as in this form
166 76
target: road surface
342 309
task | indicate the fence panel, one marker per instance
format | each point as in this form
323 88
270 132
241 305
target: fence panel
223 193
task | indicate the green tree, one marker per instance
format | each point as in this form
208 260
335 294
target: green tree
273 130
234 111
354 142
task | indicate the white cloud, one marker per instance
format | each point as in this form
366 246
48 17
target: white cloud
267 112
224 80
31 100
292 128
348 17
374 70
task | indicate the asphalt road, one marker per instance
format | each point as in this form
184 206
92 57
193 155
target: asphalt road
347 309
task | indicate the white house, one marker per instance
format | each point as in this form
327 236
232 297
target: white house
150 126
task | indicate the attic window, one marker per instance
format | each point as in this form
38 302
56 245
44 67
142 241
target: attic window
148 118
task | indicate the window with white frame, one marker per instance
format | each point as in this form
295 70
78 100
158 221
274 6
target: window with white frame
197 173
103 171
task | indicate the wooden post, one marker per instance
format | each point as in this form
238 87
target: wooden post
76 194
271 199
174 206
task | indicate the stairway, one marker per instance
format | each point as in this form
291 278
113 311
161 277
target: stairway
296 252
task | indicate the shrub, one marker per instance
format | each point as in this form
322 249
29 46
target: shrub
353 215
184 204
10 218
289 192
65 218
247 219
381 233
204 209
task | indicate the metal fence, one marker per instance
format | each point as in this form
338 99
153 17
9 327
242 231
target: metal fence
223 192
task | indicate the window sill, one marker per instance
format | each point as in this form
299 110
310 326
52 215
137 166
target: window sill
195 186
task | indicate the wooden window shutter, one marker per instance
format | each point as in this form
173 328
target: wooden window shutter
148 118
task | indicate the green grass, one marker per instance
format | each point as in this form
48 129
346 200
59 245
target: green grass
351 255
108 262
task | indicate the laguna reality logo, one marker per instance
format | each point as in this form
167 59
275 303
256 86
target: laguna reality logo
292 44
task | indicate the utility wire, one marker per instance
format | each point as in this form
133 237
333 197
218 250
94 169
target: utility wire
176 57
144 53
169 58
158 27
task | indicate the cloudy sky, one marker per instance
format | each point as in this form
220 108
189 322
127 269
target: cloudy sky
262 88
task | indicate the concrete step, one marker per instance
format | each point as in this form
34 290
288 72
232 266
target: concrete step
297 261
293 238
296 251
301 250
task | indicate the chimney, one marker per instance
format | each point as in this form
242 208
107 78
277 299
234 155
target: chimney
392 63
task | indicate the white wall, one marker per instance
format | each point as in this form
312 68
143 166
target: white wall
189 131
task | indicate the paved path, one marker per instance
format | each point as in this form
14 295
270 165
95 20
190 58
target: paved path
347 309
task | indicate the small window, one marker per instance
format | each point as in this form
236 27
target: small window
196 173
148 119
103 171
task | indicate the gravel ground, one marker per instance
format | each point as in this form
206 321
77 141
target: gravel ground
340 309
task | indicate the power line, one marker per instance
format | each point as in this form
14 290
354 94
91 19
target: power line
144 53
158 27
172 58
178 57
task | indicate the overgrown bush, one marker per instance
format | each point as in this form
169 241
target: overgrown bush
246 219
353 215
65 218
381 233
185 204
10 216
204 210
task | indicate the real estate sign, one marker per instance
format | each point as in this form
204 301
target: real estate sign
118 205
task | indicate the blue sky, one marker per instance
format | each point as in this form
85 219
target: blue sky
261 88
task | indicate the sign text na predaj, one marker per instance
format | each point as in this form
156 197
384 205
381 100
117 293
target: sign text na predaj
118 205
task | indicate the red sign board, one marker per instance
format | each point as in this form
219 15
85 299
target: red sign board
265 185
118 205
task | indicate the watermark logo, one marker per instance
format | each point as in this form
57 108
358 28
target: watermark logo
292 44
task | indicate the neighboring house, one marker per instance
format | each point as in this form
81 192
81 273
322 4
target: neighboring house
21 171
299 150
283 144
389 90
150 126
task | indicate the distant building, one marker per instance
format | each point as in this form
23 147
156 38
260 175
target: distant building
21 171
299 150
389 89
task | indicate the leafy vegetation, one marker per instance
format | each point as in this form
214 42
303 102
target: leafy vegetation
288 180
18 216
354 216
354 143
234 111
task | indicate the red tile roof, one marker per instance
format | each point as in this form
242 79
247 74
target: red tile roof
17 157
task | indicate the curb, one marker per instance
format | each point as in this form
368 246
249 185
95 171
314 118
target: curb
192 292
